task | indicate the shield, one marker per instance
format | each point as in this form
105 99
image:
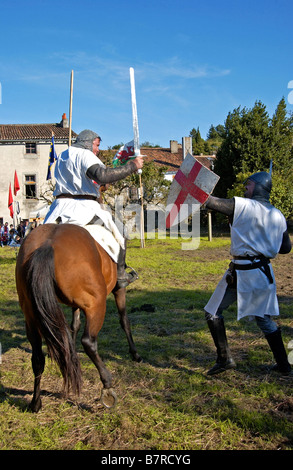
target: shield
191 187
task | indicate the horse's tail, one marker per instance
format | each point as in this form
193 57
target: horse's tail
50 318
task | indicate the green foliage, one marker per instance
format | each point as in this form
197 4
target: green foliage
282 139
154 182
216 133
211 144
238 187
214 139
198 143
250 141
281 194
155 186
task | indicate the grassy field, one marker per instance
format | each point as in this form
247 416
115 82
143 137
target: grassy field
167 402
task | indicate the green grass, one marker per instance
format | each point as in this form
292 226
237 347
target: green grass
167 402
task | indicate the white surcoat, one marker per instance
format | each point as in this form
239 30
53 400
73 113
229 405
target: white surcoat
257 229
70 176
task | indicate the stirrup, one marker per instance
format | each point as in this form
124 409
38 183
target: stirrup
125 281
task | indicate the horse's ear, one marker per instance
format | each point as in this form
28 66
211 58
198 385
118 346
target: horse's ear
104 188
29 228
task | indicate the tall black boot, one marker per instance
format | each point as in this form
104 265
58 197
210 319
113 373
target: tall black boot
278 349
124 278
224 358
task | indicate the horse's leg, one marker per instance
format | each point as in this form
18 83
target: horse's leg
75 324
90 344
120 299
38 364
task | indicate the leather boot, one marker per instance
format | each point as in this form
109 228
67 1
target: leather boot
278 349
124 278
224 359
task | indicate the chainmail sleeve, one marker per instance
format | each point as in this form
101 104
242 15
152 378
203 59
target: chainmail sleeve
224 206
103 175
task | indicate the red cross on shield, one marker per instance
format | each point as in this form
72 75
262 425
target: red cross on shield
192 185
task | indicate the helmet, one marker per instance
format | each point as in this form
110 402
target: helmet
85 139
263 185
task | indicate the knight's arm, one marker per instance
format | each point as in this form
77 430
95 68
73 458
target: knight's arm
224 206
286 244
103 175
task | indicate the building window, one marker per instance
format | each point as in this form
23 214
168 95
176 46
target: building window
31 147
30 187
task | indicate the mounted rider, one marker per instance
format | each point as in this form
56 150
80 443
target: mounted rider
79 174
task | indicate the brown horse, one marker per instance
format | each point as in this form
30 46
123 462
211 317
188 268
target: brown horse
64 264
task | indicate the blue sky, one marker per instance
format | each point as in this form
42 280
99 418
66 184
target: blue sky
194 61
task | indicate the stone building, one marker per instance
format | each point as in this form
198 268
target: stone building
25 149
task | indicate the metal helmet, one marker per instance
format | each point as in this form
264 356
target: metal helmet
263 185
85 139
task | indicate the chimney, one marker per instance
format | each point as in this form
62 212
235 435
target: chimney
173 146
64 122
187 146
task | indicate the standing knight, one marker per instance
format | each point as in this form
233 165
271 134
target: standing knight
258 234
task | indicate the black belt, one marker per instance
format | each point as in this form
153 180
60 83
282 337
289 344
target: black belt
77 196
262 264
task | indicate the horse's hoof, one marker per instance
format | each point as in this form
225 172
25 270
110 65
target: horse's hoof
108 397
35 406
137 358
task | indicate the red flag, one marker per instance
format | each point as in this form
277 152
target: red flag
10 201
16 184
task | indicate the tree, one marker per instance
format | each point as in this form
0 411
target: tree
281 128
155 186
212 142
198 143
214 139
250 141
149 145
216 133
281 194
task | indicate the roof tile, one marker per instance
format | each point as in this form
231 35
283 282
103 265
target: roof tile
31 132
164 157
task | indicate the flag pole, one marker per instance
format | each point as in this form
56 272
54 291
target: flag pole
53 135
70 107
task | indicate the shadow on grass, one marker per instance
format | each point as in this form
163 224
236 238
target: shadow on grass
12 333
166 325
169 330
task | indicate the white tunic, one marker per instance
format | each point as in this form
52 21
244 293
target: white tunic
257 229
70 175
